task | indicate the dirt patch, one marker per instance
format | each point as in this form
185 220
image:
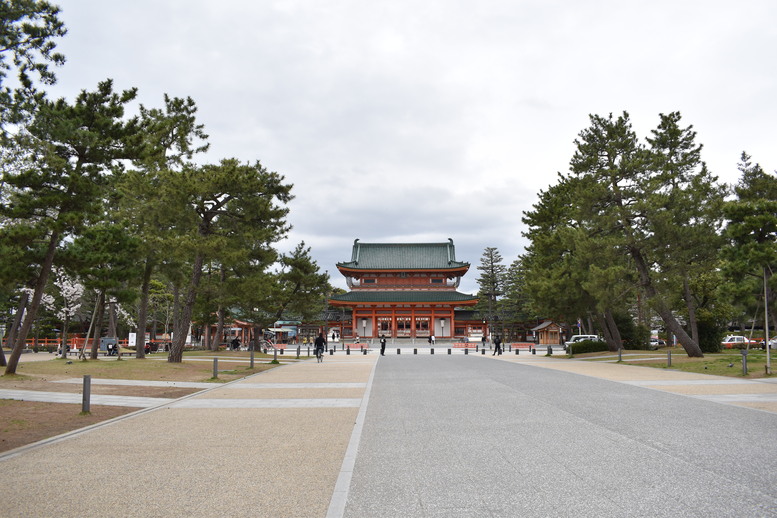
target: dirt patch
26 422
48 385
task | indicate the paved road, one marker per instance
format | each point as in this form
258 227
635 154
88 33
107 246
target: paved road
469 436
421 435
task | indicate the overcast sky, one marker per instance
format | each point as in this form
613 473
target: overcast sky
408 121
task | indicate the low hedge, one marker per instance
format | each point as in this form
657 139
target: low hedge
587 346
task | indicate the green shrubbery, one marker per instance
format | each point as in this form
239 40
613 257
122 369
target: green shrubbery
587 346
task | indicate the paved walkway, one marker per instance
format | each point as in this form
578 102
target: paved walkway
281 443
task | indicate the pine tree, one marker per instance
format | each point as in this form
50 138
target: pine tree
71 150
230 208
491 283
752 229
28 29
171 138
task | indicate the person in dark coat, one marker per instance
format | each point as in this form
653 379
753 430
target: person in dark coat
320 345
497 346
383 345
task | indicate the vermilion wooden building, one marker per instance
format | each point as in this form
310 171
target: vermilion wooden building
403 290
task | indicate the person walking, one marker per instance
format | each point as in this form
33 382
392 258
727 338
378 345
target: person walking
497 346
383 345
320 344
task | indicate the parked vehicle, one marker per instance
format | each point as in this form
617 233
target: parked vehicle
655 343
582 338
737 342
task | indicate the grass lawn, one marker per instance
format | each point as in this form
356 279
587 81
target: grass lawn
726 363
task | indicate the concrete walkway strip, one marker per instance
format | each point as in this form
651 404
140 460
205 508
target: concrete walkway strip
711 381
738 398
141 383
96 399
298 385
266 403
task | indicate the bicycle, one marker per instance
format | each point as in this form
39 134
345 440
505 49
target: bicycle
265 345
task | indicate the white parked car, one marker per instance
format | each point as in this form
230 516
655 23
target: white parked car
655 343
737 342
582 338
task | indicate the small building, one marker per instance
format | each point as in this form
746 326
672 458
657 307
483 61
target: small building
548 333
402 290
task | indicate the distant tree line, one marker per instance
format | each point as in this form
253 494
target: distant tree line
638 231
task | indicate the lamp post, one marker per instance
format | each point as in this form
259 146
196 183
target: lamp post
364 328
442 328
326 308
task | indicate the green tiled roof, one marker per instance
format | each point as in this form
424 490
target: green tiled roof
403 256
404 296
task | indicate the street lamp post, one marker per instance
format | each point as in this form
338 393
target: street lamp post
442 328
364 328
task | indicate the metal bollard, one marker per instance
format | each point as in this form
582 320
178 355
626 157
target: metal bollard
332 351
399 351
483 351
620 354
550 350
348 351
449 351
215 367
516 351
466 351
744 362
668 358
432 350
252 356
298 350
282 351
364 352
308 351
533 350
415 351
87 394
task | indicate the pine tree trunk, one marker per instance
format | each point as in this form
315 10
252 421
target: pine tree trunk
185 317
691 305
65 326
176 306
32 311
82 351
214 346
112 320
140 338
98 328
689 344
17 322
610 331
614 331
